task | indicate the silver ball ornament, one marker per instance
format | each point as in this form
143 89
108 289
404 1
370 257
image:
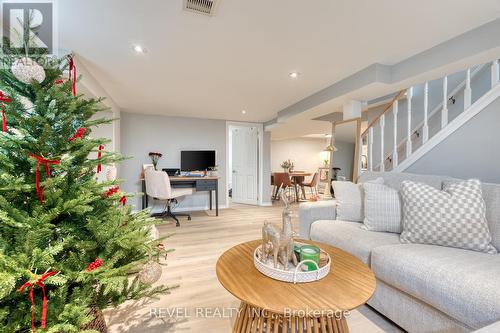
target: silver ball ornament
150 273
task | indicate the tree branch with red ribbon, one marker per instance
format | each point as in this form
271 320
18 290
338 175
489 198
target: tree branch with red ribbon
4 99
99 155
46 163
39 282
72 74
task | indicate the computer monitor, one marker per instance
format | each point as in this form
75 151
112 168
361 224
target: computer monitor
197 160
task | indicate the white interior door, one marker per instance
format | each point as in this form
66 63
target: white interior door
245 143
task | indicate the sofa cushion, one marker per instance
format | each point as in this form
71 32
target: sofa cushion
383 210
394 179
350 199
463 284
491 195
454 217
350 237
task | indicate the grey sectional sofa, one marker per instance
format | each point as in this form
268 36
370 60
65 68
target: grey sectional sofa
422 288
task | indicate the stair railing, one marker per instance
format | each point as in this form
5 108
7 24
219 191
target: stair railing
391 159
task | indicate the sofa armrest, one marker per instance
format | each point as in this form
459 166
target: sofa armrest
493 328
309 212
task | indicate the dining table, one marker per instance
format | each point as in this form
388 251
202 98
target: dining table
298 179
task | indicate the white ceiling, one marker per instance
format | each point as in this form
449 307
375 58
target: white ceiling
214 67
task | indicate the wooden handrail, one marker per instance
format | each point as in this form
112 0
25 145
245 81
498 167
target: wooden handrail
387 109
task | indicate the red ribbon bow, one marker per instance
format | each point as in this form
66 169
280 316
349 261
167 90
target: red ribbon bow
72 74
115 190
59 81
79 134
46 163
31 285
99 155
4 99
111 191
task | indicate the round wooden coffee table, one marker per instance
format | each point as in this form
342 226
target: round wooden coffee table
269 305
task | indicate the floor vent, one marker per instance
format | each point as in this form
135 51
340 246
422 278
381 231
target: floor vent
205 7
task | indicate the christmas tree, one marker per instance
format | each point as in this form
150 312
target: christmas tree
69 245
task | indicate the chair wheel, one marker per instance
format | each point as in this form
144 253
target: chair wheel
189 218
177 224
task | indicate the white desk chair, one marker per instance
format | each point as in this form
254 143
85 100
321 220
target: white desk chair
158 187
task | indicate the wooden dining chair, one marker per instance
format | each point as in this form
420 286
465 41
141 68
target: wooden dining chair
313 184
282 182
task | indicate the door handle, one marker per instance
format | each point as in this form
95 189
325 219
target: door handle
234 171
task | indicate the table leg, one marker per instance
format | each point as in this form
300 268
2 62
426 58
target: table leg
296 189
254 319
210 198
217 201
303 192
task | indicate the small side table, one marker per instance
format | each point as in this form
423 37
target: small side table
269 305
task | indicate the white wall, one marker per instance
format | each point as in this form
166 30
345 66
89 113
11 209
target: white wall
303 152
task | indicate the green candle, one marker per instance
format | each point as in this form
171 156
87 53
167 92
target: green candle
310 252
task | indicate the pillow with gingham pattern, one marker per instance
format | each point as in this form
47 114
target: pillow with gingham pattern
454 217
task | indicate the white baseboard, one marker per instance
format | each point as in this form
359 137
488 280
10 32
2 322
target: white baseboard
266 204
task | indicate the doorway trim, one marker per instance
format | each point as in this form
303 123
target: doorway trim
260 156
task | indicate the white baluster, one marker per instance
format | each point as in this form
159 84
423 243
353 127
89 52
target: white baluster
444 112
395 107
426 113
409 95
467 91
382 155
494 73
370 149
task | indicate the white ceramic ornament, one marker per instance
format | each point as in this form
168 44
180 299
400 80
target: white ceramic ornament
111 173
27 70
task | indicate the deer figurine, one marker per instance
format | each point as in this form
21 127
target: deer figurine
281 240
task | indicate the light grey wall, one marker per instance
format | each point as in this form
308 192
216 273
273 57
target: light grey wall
141 133
470 152
344 158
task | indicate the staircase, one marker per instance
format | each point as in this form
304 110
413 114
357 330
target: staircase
419 118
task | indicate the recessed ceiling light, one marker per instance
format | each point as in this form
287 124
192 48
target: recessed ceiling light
139 49
294 75
243 111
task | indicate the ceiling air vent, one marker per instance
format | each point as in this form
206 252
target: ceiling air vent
205 7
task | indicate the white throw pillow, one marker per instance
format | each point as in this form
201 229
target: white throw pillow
383 209
350 200
454 217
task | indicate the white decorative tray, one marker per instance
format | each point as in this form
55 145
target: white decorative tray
293 274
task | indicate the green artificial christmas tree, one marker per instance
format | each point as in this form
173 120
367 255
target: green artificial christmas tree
69 245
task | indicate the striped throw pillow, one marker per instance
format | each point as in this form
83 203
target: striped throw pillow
383 210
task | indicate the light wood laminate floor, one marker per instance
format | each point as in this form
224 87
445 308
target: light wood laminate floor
200 304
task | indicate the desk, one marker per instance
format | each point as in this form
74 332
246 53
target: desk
209 184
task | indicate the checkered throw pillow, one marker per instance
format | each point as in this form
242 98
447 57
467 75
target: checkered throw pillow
454 217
